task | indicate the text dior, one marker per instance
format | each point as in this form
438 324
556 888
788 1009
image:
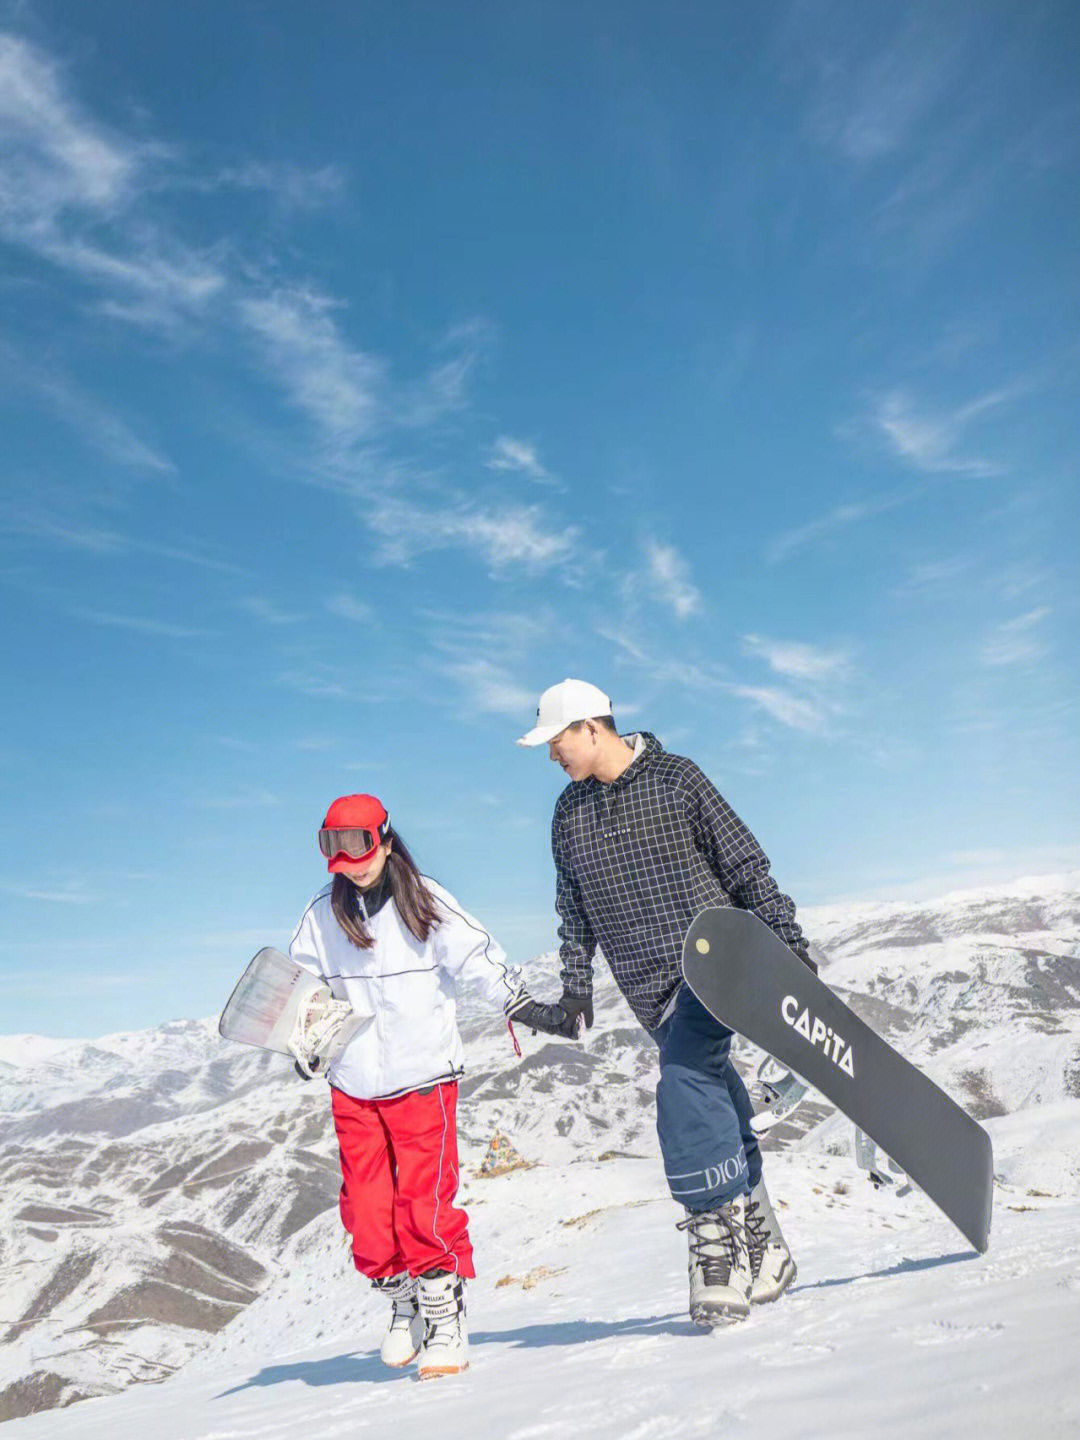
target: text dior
725 1172
818 1033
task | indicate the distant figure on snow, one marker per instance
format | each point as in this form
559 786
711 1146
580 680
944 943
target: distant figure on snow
642 842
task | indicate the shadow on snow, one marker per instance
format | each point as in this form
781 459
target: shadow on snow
368 1368
903 1267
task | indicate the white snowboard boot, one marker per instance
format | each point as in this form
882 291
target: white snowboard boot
405 1335
720 1277
771 1264
445 1350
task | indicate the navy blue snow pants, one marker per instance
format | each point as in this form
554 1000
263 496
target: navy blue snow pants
703 1110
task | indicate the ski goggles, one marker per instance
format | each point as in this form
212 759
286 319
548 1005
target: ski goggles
357 844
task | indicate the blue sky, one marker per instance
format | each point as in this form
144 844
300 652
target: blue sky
366 369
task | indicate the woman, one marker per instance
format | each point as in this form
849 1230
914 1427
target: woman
393 943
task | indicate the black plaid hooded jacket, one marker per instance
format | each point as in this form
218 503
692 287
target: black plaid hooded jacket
637 859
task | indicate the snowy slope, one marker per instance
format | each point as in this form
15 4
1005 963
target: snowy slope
894 1329
113 1151
163 1194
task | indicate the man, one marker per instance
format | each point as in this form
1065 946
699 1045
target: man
642 842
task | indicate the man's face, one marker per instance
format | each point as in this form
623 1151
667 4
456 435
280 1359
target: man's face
575 750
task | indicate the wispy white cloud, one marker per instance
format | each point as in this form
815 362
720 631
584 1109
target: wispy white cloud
841 517
931 442
347 607
317 744
190 554
513 536
794 711
662 668
490 689
934 579
84 197
444 389
234 742
57 518
667 576
63 175
892 94
253 798
157 282
290 186
517 455
328 379
799 661
871 85
321 682
813 696
55 159
70 533
350 396
94 421
1016 641
267 611
1014 581
74 894
496 632
139 624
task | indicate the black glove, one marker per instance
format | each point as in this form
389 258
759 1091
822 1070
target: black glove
552 1019
804 956
576 1005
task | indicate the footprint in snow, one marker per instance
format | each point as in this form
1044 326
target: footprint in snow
944 1332
800 1353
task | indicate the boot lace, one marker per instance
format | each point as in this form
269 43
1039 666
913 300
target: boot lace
757 1236
715 1253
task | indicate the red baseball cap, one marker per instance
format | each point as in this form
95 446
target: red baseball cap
354 828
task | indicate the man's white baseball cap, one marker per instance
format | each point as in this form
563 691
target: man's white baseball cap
561 706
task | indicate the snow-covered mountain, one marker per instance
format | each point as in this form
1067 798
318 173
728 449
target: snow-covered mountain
164 1193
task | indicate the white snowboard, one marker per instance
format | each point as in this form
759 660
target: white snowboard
269 996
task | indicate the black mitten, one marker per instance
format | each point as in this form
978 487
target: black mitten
576 1005
552 1019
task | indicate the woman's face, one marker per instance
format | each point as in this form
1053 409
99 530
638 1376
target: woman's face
364 873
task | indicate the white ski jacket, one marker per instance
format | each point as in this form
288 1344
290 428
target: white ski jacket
407 987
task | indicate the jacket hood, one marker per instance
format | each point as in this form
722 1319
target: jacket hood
649 755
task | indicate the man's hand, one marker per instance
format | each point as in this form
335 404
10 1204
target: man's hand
804 956
552 1019
576 1005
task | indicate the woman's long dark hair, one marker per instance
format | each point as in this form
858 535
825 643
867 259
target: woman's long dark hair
415 902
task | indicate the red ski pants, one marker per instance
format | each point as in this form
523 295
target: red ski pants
399 1169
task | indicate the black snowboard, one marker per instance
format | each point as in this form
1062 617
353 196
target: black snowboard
747 977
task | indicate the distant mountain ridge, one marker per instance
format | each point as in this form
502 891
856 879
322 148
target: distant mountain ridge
153 1181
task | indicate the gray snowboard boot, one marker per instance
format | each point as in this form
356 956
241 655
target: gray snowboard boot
445 1350
720 1277
405 1334
771 1264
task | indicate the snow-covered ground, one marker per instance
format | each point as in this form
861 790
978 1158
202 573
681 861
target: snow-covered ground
178 1150
894 1329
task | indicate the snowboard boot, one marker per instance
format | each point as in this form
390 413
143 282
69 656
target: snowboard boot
405 1335
720 1277
771 1264
445 1350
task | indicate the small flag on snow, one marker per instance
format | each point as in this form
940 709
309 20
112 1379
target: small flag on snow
501 1157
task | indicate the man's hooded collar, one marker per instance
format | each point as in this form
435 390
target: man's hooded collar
651 751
